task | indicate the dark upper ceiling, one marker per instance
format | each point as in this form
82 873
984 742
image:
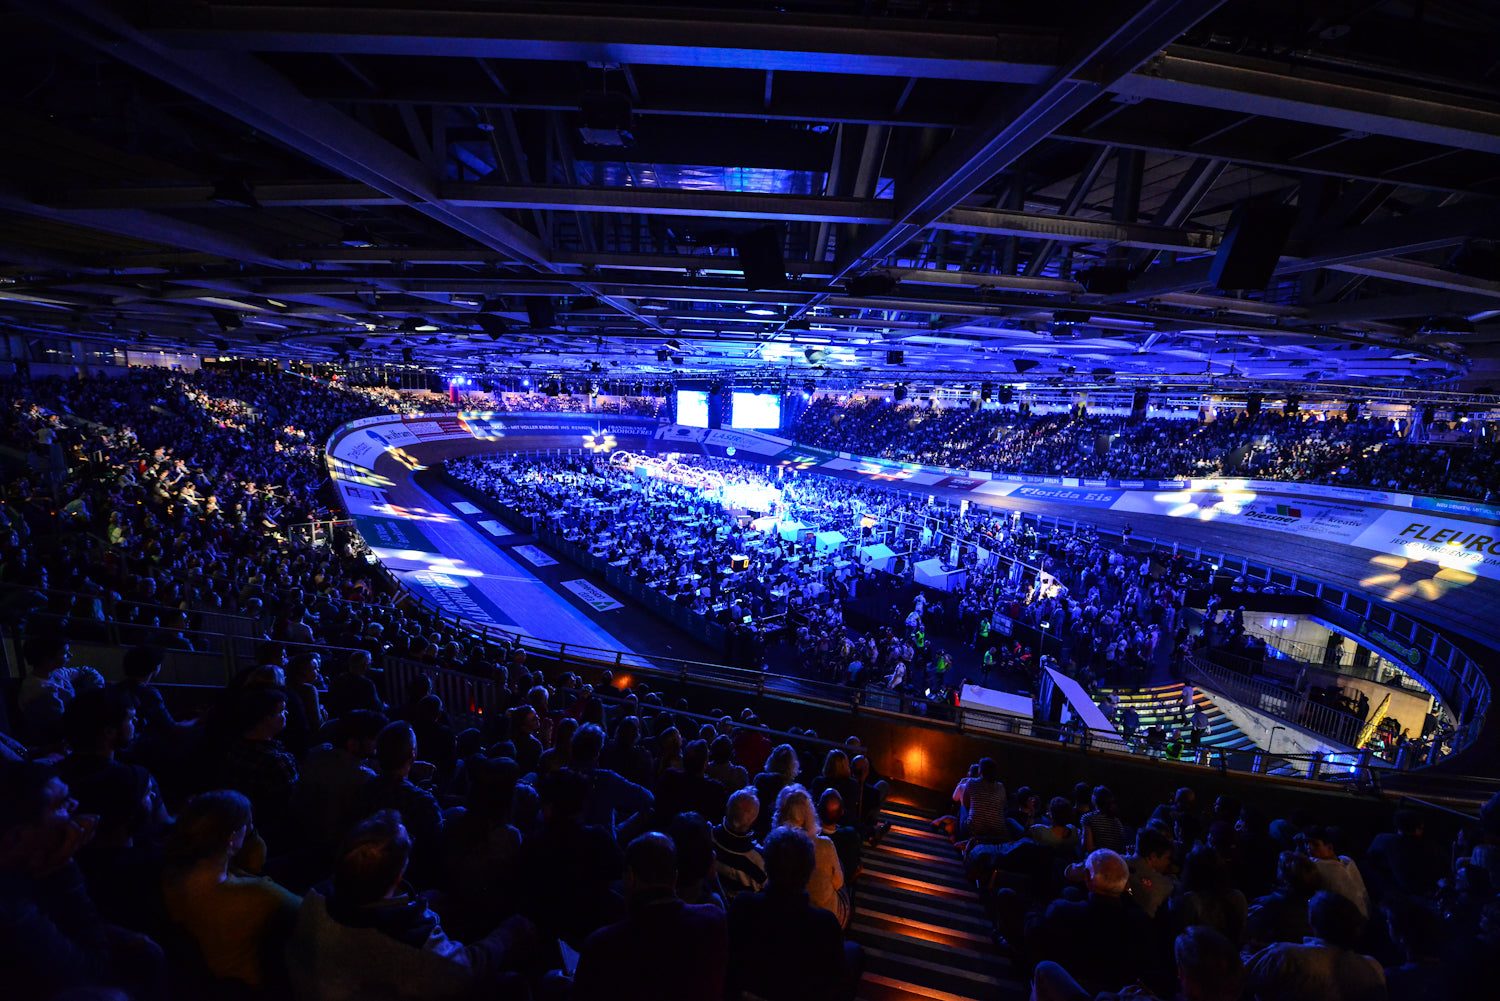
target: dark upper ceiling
970 183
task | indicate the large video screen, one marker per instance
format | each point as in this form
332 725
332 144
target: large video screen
692 408
755 410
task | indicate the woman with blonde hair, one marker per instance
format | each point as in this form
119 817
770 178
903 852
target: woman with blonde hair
781 771
794 808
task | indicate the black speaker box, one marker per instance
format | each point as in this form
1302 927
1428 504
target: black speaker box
895 357
1105 280
761 257
1253 241
540 311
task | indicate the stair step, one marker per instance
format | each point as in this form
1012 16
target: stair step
919 886
877 987
952 974
885 899
975 960
949 876
863 915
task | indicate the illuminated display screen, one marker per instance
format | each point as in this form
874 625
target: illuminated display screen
755 410
692 408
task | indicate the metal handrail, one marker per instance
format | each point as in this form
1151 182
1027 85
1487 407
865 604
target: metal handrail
1279 701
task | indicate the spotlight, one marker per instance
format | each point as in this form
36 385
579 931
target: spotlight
762 311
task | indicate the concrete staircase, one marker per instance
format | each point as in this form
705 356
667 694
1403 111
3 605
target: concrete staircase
1158 706
924 932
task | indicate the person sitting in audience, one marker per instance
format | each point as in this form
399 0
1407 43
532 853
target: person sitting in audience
1337 873
612 799
566 869
239 921
1151 882
392 788
781 946
50 684
1282 916
664 948
794 808
737 857
140 667
782 768
1104 941
52 940
257 764
330 779
722 766
1205 896
366 933
1326 966
352 688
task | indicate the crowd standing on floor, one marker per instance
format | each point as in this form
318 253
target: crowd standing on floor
1362 453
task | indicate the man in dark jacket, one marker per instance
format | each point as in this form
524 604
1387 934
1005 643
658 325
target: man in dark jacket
781 948
664 948
393 789
367 933
1105 941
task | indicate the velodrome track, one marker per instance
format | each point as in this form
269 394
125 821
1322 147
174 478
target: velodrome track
1469 609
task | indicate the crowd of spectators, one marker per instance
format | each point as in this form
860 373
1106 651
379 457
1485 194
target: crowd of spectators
578 403
308 829
1222 901
1364 453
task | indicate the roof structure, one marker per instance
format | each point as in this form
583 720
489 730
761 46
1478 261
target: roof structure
951 189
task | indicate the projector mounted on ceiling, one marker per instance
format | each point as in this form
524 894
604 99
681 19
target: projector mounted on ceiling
604 120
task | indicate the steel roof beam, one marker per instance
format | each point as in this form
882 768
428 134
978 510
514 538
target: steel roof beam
682 202
1009 129
1410 234
242 86
838 45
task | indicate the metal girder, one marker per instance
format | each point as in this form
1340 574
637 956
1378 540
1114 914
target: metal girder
1007 129
245 88
681 202
829 110
1256 154
1409 234
1348 101
149 227
1082 185
242 86
1414 273
598 33
1343 101
1196 182
1398 306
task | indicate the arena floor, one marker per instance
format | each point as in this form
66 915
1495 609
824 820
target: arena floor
537 604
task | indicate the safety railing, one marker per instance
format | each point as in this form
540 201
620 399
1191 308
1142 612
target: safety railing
1277 700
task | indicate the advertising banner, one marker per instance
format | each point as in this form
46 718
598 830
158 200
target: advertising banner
1077 496
1455 545
592 596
